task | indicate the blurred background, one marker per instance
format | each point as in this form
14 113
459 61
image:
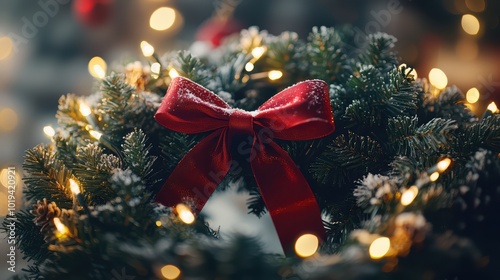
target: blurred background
48 46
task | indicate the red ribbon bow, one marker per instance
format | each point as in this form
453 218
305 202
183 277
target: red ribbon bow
300 112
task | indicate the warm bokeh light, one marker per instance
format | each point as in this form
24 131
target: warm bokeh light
162 19
170 272
249 66
274 75
61 228
409 195
3 210
306 245
158 223
173 73
8 119
379 247
258 52
4 177
443 164
185 213
438 78
6 47
472 95
75 188
493 107
96 134
476 5
155 70
84 109
49 131
434 176
413 72
147 49
97 67
470 24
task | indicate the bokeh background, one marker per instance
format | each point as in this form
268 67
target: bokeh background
46 47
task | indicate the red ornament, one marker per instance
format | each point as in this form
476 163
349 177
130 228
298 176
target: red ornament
93 12
215 30
300 112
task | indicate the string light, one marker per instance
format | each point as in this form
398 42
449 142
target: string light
75 188
155 70
97 67
158 223
306 245
147 49
409 195
184 213
49 131
470 24
61 228
170 272
275 75
249 66
162 18
438 78
493 107
4 177
443 165
84 109
413 72
258 52
96 134
472 95
379 247
6 47
173 73
434 176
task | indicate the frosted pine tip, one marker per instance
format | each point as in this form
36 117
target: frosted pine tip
409 195
61 228
49 131
306 245
85 109
185 214
75 188
170 271
147 49
379 247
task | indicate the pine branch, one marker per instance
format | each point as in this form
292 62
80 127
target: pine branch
136 153
69 117
191 67
379 52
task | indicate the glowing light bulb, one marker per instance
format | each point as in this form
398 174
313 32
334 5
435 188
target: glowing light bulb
170 272
97 67
409 195
158 223
249 67
84 109
6 47
472 95
443 164
379 247
493 107
4 178
184 213
75 188
173 73
470 24
155 70
306 245
258 52
49 131
274 75
61 228
438 78
476 5
147 49
162 19
413 72
434 176
96 134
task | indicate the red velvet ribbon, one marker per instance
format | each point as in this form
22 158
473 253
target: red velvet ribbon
300 112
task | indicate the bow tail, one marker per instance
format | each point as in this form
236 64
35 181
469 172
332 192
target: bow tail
198 173
286 193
